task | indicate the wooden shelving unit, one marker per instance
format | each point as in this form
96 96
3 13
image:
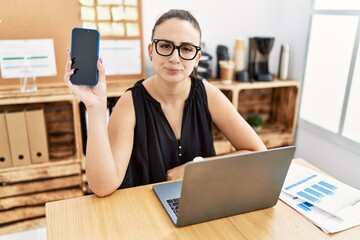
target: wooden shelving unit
276 101
25 189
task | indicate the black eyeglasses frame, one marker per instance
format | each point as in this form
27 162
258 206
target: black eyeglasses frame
176 47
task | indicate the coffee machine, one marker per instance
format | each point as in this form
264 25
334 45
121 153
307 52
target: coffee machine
259 50
204 67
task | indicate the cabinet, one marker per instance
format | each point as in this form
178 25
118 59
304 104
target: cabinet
276 102
25 189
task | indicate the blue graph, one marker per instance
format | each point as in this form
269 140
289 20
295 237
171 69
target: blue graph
304 205
308 197
315 192
328 185
323 190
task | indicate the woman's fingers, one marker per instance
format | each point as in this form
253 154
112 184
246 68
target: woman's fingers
68 71
101 69
68 52
68 65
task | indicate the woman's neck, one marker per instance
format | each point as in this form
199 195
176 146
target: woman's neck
167 92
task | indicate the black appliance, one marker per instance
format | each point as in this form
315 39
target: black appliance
259 50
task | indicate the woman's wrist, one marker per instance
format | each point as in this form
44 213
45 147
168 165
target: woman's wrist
97 108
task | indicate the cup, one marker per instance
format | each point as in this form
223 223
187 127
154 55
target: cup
239 55
226 71
27 77
28 84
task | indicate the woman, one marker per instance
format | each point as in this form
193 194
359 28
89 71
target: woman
162 122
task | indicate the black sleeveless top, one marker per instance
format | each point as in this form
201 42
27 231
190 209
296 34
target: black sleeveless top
156 149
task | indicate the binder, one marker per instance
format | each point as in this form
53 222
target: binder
19 145
5 154
37 136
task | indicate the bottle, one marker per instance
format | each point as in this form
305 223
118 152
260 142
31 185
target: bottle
284 62
27 78
239 55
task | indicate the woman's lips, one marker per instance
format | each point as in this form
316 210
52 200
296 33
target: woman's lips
172 70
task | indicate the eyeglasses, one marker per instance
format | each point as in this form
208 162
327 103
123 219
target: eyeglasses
186 51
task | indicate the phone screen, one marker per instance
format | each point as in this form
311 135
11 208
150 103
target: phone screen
84 55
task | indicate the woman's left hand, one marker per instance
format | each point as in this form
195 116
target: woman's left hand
176 173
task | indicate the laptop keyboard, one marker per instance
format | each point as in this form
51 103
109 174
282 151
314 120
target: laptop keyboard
174 204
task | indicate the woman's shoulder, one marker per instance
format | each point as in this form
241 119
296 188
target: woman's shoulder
210 88
136 85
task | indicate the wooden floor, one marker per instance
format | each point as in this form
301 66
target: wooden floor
33 234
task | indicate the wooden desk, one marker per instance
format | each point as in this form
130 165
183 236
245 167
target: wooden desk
136 213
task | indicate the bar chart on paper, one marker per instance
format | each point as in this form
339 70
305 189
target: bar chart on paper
315 192
326 221
321 191
328 203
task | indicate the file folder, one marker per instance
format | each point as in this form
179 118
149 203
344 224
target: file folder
5 154
19 145
37 136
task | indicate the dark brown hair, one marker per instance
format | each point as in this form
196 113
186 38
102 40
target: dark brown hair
180 14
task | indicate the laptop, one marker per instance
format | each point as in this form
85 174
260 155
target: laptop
227 185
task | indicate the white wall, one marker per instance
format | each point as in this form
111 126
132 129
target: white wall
288 21
222 22
338 162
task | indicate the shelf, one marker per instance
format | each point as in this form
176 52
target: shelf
275 101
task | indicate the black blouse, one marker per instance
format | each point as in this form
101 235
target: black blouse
156 149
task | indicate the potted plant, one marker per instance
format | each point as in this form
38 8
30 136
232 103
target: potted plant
256 122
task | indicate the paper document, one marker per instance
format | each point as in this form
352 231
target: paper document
328 203
39 52
327 222
121 57
323 192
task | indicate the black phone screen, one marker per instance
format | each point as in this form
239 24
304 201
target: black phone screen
84 56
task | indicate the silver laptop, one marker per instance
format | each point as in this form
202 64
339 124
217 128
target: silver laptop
223 186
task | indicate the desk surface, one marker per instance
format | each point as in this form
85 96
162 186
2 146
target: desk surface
136 213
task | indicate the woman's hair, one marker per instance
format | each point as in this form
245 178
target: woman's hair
180 14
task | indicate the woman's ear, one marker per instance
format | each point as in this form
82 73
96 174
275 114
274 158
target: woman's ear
198 57
150 48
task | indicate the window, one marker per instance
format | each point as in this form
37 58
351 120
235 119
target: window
337 4
330 100
352 119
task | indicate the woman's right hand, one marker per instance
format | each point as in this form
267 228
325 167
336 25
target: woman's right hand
92 97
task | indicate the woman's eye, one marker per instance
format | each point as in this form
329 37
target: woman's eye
187 48
165 46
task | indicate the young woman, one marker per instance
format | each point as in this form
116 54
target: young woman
162 122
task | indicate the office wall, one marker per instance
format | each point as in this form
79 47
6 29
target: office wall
222 22
339 162
288 21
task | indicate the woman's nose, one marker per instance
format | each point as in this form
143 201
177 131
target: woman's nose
175 56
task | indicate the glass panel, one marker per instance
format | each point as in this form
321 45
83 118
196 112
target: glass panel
326 74
337 5
352 119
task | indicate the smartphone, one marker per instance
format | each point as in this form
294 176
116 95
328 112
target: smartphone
84 55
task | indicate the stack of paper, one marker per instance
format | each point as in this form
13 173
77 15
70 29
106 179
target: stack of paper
331 205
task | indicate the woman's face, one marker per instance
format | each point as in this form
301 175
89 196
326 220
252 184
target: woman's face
173 68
